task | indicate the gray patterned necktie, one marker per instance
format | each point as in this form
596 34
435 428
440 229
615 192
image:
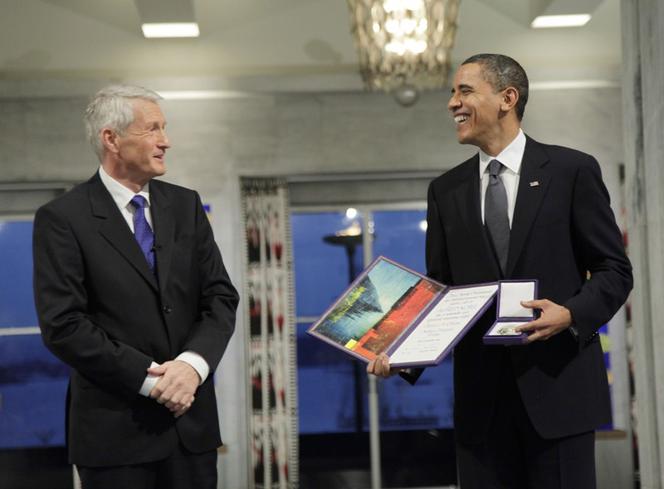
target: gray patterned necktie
495 213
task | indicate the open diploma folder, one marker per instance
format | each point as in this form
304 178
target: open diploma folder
390 308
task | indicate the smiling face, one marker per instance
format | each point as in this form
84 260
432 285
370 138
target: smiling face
480 111
137 155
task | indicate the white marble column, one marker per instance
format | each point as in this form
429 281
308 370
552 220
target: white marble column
643 109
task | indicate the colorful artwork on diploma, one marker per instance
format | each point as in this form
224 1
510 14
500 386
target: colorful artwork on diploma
378 307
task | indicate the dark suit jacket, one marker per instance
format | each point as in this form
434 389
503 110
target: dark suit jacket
102 311
562 229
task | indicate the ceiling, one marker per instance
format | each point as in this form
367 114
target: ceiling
272 44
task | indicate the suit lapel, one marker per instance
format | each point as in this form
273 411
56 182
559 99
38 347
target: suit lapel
164 230
533 185
467 197
114 229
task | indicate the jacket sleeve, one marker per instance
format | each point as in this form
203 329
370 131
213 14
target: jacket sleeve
600 250
218 299
436 249
61 301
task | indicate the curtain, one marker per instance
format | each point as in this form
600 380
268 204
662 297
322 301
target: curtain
269 311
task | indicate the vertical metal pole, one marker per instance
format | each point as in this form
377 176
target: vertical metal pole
374 433
374 429
358 366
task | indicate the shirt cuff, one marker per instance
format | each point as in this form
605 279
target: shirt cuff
149 382
197 362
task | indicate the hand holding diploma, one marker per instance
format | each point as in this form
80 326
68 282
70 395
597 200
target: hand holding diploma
380 367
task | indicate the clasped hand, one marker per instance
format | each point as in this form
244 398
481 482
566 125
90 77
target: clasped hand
176 386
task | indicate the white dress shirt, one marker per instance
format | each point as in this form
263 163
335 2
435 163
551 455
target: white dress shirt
511 158
122 197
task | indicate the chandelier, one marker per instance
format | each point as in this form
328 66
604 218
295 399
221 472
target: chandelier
404 45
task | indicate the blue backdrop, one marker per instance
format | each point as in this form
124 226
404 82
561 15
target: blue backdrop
33 382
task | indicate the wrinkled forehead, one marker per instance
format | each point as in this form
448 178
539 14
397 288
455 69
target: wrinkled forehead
147 111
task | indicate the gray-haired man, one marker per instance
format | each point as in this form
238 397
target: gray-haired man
132 293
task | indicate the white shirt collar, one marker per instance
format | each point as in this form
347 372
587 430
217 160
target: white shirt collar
511 156
121 194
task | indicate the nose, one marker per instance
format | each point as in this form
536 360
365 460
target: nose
453 103
163 141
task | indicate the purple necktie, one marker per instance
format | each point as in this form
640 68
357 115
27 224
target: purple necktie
142 230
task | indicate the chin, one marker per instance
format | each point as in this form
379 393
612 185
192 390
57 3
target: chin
464 139
159 170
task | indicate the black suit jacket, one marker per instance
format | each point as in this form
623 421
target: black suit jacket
103 312
562 228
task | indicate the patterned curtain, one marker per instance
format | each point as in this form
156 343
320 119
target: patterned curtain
271 340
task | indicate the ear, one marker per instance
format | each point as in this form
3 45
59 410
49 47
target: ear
510 97
109 139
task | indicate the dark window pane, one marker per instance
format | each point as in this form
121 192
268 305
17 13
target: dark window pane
328 381
332 387
322 270
16 302
33 384
400 235
424 406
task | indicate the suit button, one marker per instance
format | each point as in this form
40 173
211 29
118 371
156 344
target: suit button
167 309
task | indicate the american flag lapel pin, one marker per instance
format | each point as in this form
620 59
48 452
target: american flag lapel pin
534 183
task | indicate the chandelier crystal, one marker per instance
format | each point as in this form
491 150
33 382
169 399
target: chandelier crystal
404 43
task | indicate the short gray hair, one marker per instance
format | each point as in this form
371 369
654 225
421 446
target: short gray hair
112 108
501 72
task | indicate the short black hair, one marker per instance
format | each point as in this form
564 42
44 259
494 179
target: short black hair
501 72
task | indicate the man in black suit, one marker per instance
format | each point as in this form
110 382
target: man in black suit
131 292
525 416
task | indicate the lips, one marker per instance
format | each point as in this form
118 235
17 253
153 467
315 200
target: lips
461 118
